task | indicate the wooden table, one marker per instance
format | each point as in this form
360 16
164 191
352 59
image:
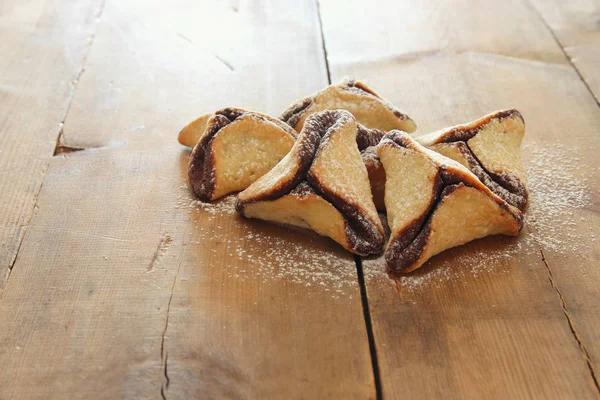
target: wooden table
116 283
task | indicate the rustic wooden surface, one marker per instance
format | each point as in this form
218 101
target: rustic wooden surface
115 283
575 26
43 46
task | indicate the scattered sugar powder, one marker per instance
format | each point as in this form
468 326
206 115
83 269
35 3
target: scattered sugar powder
253 252
224 207
557 184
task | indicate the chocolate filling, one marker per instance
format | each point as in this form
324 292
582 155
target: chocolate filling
230 113
292 115
359 87
200 170
366 137
303 189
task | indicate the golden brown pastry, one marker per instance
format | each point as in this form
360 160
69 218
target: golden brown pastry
192 132
434 203
369 109
236 148
490 147
322 185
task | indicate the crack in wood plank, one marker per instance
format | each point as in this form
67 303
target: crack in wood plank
221 59
4 279
23 228
565 311
161 249
167 380
562 48
229 66
61 140
163 353
184 38
58 147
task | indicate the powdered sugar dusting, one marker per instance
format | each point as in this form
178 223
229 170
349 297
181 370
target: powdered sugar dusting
254 252
557 188
225 206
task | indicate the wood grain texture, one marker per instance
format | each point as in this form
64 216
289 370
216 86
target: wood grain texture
85 311
126 288
484 320
43 44
576 25
260 56
83 316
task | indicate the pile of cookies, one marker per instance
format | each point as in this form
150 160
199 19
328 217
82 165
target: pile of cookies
333 160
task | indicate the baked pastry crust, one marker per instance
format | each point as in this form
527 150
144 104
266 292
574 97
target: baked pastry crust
321 184
369 108
490 147
192 132
434 203
236 148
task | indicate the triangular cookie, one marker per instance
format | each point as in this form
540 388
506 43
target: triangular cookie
369 109
236 148
434 203
322 185
491 148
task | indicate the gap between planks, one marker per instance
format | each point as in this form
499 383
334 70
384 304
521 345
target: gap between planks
324 46
369 326
357 260
562 48
58 148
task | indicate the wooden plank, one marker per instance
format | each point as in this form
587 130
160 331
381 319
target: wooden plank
575 26
125 286
487 319
42 45
243 67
